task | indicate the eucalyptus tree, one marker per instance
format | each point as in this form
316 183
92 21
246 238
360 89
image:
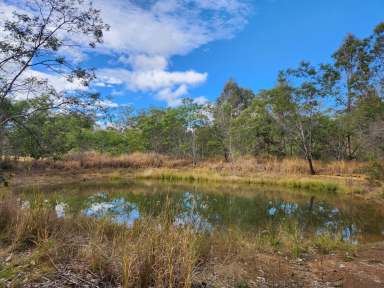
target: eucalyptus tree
298 102
360 63
195 116
352 61
373 137
47 134
256 131
377 59
31 50
232 101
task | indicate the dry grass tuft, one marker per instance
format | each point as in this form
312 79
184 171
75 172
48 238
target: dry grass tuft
151 253
245 166
25 227
240 166
92 160
160 256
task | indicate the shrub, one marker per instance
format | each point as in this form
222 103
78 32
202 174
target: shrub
375 171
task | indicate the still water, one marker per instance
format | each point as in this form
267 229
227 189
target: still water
208 207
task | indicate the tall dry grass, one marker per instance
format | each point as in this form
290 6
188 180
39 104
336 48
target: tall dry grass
24 227
152 253
287 166
246 165
165 259
93 160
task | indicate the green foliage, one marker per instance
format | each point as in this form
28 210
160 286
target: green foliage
242 284
326 243
255 131
375 171
115 142
237 98
331 111
45 134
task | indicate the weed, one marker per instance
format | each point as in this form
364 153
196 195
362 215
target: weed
326 243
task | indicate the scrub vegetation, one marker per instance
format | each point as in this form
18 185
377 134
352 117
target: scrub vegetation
331 116
39 247
320 128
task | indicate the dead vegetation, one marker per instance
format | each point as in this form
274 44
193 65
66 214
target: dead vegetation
239 166
93 160
38 249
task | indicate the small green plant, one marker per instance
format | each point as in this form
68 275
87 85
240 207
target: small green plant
294 241
242 284
327 243
375 171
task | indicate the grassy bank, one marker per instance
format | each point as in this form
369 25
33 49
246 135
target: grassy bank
239 166
38 247
314 184
334 176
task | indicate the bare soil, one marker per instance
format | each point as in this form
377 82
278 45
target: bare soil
365 269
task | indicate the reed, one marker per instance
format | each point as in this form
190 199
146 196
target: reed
327 185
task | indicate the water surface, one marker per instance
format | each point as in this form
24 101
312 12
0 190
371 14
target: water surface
208 207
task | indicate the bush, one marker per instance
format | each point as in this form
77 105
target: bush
6 164
375 171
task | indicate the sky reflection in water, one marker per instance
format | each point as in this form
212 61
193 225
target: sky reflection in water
205 211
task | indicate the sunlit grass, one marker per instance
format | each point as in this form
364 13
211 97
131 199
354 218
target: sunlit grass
153 252
297 183
332 176
239 166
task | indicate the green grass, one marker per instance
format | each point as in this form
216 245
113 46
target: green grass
313 185
327 243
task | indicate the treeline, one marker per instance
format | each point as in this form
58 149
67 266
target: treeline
329 111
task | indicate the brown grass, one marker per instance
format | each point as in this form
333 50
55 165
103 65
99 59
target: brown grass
92 160
241 166
167 259
333 176
152 253
288 166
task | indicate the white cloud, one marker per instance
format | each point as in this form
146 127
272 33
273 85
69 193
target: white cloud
173 98
35 86
107 104
152 80
145 35
61 84
151 34
74 54
170 27
6 11
167 86
143 62
144 32
201 100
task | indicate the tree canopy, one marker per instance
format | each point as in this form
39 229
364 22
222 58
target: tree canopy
328 111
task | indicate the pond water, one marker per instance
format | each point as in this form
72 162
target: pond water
208 207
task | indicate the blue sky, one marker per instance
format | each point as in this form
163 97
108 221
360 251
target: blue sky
279 35
159 51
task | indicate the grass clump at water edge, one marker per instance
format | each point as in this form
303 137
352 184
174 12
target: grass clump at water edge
314 185
153 252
